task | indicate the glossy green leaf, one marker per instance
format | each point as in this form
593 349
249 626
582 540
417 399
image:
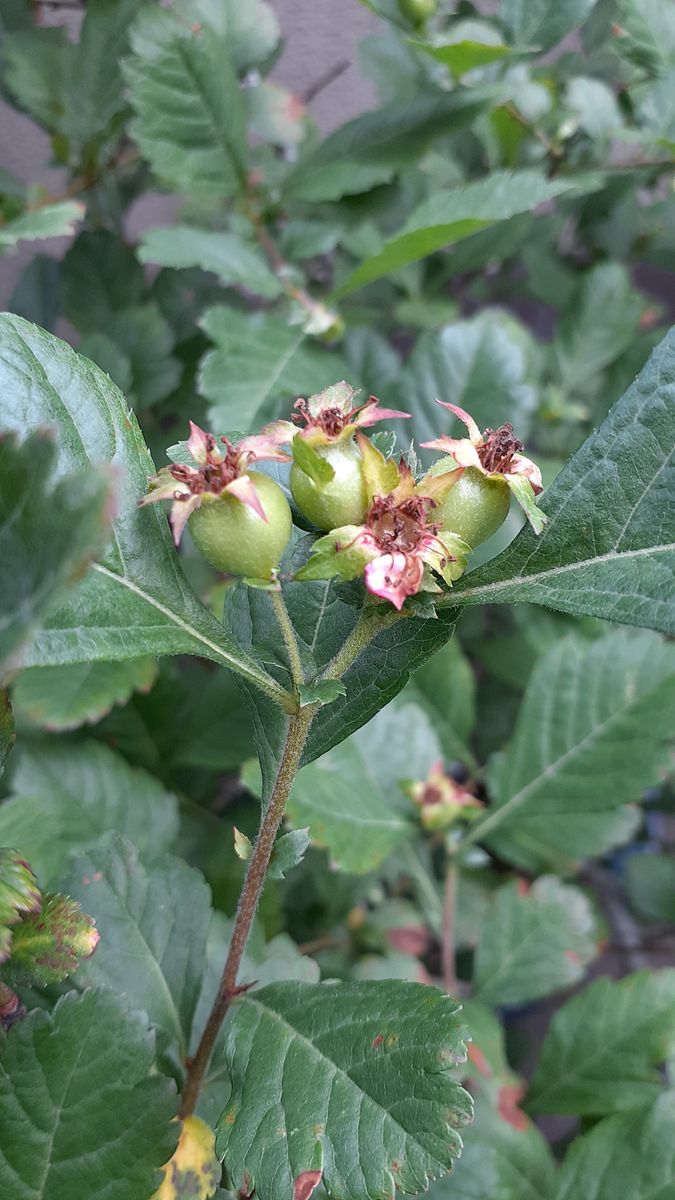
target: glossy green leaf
227 255
52 220
153 923
259 359
49 531
591 736
448 217
608 549
66 795
59 698
632 1154
542 23
136 600
359 1085
370 149
189 120
534 940
77 1100
603 1047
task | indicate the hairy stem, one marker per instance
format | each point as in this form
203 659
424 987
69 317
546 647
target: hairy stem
448 931
290 640
298 729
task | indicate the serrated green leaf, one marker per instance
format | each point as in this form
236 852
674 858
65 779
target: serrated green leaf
227 255
542 23
600 324
602 1049
628 1155
609 547
370 149
650 885
479 365
135 601
48 945
288 851
49 531
153 921
52 220
60 698
591 736
449 216
189 120
65 796
77 1100
101 277
258 359
534 940
352 790
375 1058
500 1162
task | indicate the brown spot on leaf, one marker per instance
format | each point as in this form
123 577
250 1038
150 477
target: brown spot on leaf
305 1183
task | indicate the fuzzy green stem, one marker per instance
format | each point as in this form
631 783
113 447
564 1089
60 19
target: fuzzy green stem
254 882
290 640
448 931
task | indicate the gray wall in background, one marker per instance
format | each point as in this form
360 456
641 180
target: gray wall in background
318 34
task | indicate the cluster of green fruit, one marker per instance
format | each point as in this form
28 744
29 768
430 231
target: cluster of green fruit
380 522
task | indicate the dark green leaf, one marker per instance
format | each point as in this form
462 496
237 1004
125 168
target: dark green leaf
375 1060
77 1101
650 884
465 55
628 1155
603 1046
49 532
153 923
234 260
609 547
499 1161
65 796
450 216
591 736
534 940
100 278
136 601
542 23
600 324
445 687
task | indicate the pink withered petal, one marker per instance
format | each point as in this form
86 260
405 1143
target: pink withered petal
520 465
200 444
394 577
466 418
462 450
181 511
265 445
371 413
244 490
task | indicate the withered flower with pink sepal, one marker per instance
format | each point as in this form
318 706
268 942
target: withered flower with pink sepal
400 547
442 801
489 468
239 518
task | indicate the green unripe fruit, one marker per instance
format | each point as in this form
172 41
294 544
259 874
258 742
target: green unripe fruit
341 501
475 507
234 539
418 11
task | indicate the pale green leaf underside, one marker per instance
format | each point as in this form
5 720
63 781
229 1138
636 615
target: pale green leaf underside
52 220
81 1117
136 600
608 549
356 1072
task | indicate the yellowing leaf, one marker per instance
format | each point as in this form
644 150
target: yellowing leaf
194 1170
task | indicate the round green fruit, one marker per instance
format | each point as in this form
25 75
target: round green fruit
418 11
234 539
342 501
475 507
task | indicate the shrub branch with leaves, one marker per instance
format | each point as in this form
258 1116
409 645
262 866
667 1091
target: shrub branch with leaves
285 859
